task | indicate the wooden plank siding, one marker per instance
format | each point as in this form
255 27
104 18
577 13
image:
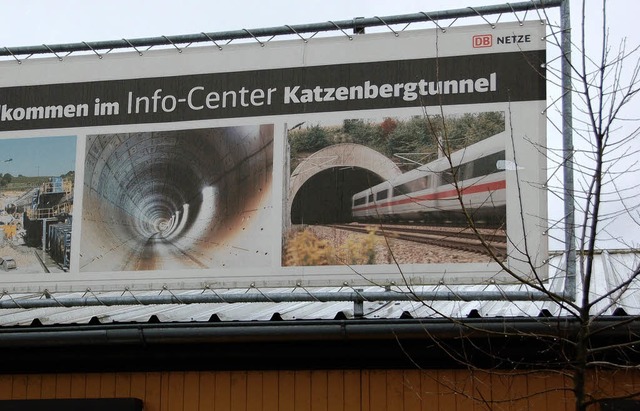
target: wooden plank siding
319 390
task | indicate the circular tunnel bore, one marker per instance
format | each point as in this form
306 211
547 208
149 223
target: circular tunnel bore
326 197
176 199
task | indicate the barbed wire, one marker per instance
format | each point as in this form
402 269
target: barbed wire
263 36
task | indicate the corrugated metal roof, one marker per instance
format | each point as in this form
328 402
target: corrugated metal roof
612 268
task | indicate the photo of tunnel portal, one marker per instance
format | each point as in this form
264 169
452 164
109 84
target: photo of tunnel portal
186 199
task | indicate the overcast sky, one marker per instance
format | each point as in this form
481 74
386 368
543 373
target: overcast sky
34 22
37 22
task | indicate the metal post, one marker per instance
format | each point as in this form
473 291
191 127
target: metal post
567 146
44 236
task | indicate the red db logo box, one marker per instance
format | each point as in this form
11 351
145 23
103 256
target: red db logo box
482 40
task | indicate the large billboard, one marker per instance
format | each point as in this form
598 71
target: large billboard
376 159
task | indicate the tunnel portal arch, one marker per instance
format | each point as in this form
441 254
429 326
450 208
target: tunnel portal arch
338 156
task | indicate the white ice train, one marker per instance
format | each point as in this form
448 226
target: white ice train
428 193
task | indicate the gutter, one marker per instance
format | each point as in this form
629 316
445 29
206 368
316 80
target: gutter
307 331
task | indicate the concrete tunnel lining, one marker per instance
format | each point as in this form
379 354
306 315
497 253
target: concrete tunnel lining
336 156
177 199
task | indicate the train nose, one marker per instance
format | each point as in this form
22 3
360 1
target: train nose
177 199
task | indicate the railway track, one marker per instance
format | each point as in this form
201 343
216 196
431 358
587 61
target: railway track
160 253
461 239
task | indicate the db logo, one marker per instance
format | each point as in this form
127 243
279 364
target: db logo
482 40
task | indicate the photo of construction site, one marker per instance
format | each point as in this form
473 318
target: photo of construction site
36 204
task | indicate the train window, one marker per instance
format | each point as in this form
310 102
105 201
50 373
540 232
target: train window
359 201
472 169
371 198
381 195
449 176
421 183
418 184
487 165
465 171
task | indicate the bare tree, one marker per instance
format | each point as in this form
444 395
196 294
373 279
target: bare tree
604 81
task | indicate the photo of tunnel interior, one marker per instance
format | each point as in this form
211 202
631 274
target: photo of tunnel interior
185 199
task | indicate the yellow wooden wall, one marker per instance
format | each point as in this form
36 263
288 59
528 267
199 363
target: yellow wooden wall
361 390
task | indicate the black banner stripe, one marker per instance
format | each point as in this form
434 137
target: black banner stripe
473 79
